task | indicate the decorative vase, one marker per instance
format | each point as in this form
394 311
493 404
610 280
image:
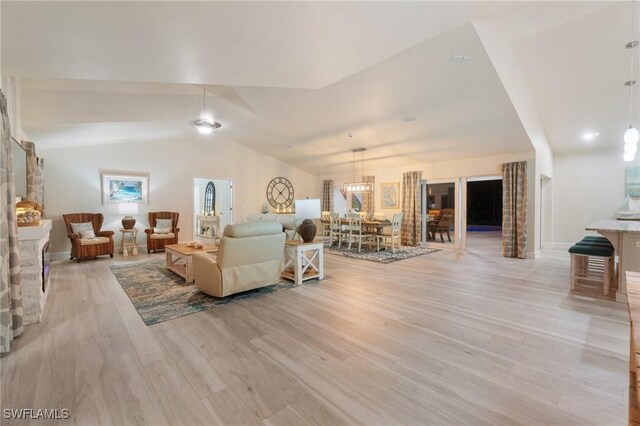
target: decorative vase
307 230
128 222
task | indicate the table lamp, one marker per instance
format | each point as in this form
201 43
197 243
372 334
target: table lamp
128 209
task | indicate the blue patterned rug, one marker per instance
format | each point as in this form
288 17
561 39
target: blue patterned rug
160 295
382 256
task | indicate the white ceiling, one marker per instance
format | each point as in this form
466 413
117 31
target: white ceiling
293 79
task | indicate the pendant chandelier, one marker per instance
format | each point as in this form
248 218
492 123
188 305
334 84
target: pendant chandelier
631 135
205 123
357 186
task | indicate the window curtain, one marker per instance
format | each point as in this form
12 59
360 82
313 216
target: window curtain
327 195
35 175
410 234
514 209
369 198
10 285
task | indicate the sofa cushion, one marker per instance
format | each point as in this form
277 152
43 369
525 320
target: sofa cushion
161 230
252 229
93 241
155 236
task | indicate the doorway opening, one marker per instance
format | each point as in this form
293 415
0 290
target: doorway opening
212 208
484 214
440 204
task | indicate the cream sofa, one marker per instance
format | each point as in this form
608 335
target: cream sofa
249 256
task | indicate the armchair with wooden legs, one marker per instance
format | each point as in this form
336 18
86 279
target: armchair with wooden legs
157 240
83 247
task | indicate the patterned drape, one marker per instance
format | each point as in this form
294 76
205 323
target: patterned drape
369 198
35 175
10 285
514 209
327 195
410 235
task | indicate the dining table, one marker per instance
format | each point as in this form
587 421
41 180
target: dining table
377 225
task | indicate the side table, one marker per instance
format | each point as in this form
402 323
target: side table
125 245
303 261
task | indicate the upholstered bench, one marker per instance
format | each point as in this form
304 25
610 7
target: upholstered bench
592 261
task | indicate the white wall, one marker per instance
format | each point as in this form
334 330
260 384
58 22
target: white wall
72 180
481 166
586 187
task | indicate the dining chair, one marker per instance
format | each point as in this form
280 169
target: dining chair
334 228
393 236
353 231
445 225
326 225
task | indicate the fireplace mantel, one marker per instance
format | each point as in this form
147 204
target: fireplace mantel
35 232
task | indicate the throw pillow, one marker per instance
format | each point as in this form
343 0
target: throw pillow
87 235
161 230
78 228
164 223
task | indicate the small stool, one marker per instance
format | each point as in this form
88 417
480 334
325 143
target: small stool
592 262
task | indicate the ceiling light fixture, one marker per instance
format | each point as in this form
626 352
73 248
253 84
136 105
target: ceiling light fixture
205 123
631 135
357 186
589 136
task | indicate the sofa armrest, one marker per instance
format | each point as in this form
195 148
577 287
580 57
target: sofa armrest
107 234
148 231
207 274
75 238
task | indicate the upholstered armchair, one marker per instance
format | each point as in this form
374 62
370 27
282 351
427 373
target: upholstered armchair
157 240
249 256
83 244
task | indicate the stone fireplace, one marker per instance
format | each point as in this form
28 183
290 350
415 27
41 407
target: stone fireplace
33 241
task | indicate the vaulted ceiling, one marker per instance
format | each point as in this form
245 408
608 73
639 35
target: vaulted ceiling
293 79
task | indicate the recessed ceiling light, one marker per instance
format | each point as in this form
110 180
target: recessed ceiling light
289 145
409 119
589 136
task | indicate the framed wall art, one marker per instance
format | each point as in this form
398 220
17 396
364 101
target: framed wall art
390 195
124 187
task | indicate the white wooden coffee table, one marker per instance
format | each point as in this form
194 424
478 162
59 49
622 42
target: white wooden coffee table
178 258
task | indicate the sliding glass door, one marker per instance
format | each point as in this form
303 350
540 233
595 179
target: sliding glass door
442 205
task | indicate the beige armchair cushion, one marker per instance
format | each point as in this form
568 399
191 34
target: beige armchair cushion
162 236
93 241
249 256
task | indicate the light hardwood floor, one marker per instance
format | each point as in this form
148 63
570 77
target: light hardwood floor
445 338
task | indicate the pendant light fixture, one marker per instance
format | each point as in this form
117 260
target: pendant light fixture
631 135
205 123
357 186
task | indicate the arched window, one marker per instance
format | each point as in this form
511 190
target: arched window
210 199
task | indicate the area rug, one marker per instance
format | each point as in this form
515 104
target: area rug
160 295
382 256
